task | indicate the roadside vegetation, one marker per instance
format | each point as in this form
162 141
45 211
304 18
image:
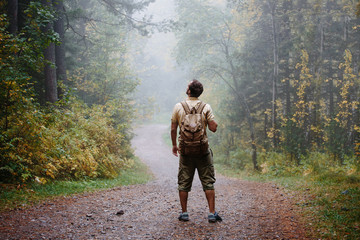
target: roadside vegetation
327 195
14 196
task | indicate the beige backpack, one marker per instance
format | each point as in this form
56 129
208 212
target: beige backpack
192 137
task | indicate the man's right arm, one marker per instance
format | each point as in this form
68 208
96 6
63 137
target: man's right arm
173 138
212 124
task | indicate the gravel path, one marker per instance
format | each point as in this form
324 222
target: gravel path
250 210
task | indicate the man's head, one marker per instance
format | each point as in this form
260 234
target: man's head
195 88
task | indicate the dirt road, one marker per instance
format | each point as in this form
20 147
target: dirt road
250 210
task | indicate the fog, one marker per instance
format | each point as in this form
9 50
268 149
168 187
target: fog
162 83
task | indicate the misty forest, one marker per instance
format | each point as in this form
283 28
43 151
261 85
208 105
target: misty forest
79 77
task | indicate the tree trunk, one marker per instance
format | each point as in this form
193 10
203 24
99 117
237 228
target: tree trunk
51 94
288 8
13 6
322 40
331 97
60 49
265 130
242 101
13 28
287 92
346 28
316 121
272 7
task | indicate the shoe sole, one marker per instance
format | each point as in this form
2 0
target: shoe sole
214 220
184 220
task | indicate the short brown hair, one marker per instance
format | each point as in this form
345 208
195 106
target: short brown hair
196 88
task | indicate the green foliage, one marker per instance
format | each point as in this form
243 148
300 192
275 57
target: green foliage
236 159
74 143
38 17
295 123
277 164
341 129
313 163
99 66
19 55
336 177
336 139
294 137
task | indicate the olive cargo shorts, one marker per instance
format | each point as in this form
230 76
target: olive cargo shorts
204 165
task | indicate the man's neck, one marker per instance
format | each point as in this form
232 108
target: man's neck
192 98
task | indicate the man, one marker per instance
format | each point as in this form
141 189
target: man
198 159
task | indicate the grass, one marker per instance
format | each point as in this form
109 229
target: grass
329 203
12 197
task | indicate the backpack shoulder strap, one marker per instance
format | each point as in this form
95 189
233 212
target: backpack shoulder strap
199 111
200 107
186 107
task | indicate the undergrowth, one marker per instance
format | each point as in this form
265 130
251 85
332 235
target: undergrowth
327 194
69 142
14 196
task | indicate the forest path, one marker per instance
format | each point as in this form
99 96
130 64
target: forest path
250 210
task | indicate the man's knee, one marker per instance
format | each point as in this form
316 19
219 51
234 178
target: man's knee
209 186
184 188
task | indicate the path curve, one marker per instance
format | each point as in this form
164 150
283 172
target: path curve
151 149
250 210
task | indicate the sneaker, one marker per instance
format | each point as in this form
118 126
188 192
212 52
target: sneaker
184 217
213 217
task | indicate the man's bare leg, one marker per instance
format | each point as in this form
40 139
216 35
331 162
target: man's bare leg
183 200
210 196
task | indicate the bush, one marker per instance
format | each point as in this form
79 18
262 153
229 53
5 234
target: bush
314 164
237 159
75 143
280 164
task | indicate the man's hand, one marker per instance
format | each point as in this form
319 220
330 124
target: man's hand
213 126
175 150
